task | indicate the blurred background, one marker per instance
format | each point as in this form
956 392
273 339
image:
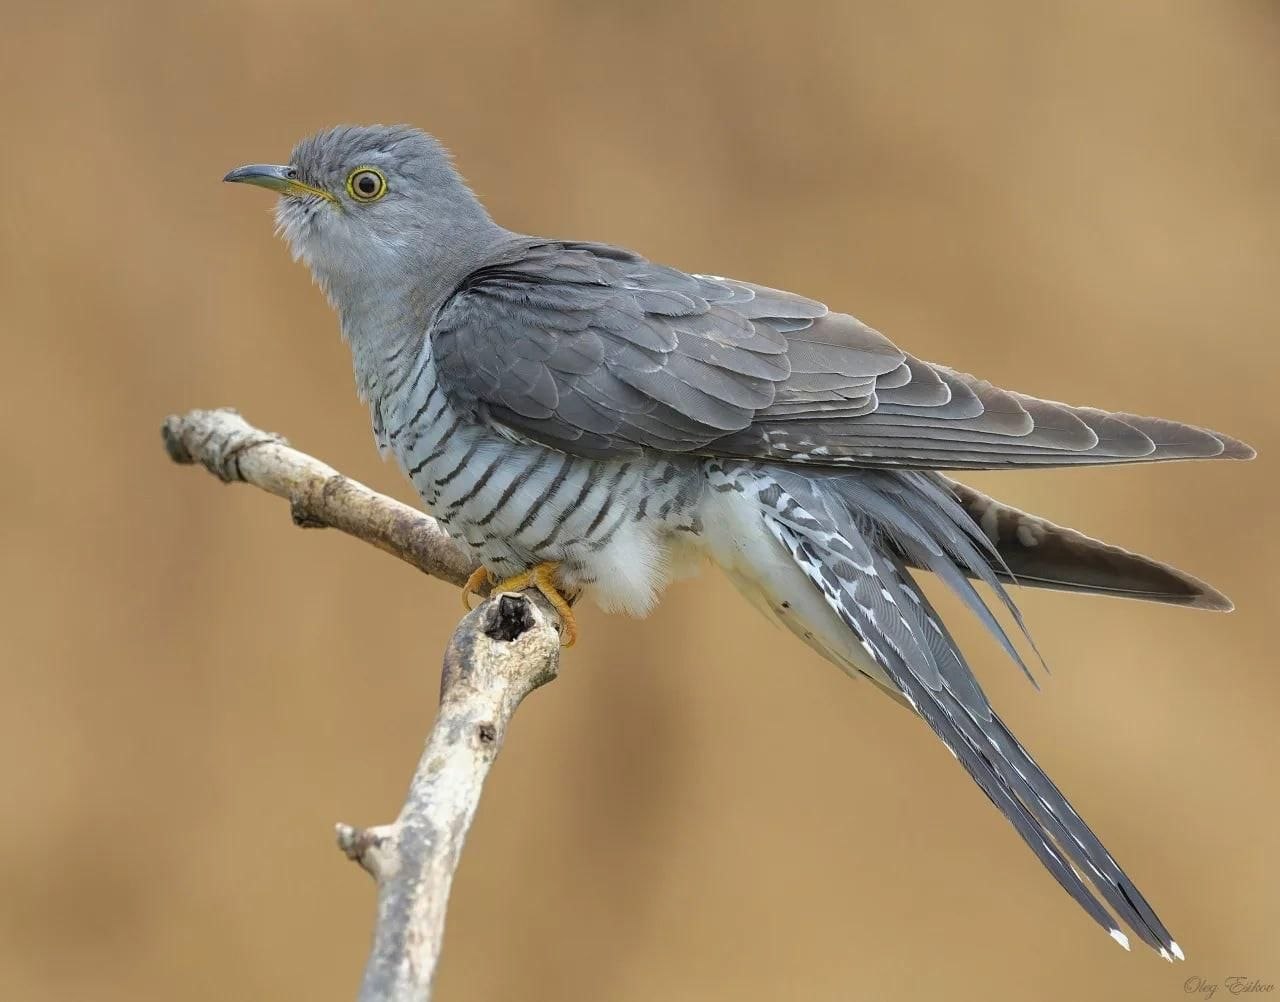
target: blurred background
1078 200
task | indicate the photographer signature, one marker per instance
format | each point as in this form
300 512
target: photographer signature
1237 984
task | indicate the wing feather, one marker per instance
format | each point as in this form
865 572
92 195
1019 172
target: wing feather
586 346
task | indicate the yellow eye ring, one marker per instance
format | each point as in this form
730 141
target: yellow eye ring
366 184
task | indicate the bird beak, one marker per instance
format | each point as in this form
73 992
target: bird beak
281 178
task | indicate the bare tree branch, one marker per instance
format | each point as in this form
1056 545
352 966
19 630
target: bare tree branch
499 653
319 496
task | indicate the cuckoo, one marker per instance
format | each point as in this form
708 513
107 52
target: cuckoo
589 422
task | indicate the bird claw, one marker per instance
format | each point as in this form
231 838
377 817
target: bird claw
478 579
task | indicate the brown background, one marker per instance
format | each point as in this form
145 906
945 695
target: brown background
1077 199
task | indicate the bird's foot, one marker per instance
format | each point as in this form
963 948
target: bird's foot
543 577
479 578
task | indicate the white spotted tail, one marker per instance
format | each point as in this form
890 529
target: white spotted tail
834 568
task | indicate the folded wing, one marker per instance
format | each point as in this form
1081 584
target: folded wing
854 399
597 352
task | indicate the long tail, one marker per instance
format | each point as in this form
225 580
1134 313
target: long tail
836 573
1030 550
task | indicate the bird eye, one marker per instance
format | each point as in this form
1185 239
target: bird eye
366 184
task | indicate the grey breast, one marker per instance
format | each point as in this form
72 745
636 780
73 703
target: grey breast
515 502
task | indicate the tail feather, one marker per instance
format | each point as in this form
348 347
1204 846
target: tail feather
1034 551
851 536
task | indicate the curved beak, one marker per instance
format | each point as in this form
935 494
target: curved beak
277 177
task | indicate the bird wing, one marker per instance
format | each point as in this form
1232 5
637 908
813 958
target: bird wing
598 352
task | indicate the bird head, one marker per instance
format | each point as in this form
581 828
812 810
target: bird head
363 205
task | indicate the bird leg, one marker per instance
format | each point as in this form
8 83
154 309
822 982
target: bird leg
543 578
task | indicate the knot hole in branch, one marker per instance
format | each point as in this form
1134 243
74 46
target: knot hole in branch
510 619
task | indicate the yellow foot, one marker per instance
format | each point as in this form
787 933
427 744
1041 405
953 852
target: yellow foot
479 578
543 577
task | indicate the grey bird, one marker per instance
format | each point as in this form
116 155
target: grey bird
589 422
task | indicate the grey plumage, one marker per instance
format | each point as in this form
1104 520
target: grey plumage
1032 551
627 355
835 528
575 403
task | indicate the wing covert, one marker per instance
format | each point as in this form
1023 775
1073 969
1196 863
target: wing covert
595 351
591 350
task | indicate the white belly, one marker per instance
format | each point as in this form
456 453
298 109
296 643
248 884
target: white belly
766 574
